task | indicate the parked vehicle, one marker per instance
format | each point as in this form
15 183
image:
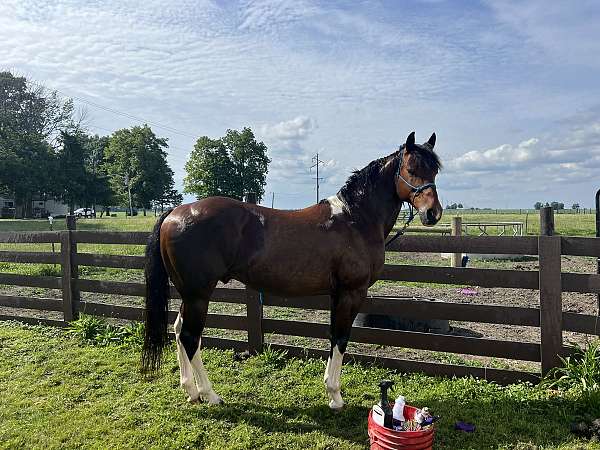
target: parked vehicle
84 212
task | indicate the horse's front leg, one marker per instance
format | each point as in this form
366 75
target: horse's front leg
345 306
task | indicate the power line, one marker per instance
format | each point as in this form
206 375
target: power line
316 164
113 110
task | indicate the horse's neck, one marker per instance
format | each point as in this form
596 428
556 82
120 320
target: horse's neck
381 206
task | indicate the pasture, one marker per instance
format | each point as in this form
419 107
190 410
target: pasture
58 392
70 393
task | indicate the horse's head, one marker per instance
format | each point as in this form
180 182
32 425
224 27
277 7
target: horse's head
415 178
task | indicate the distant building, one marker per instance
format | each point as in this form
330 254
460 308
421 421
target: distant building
40 208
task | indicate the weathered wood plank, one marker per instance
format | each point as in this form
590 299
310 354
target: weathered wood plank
518 245
224 344
500 376
550 301
30 280
254 312
222 295
35 320
421 309
112 237
580 282
41 303
224 321
581 323
580 246
29 237
435 309
30 257
423 341
458 275
116 261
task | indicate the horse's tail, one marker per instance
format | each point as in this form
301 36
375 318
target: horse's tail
157 302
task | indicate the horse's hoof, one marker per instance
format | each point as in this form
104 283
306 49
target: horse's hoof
336 406
214 399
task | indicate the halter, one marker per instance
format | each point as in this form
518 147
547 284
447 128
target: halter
415 191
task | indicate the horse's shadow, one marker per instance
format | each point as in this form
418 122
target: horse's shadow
536 422
349 424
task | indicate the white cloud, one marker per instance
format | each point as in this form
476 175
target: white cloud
295 129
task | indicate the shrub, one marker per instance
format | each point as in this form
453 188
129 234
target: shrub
97 331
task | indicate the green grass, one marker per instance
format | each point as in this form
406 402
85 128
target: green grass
58 392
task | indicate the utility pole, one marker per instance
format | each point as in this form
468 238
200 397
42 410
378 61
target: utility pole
272 199
317 161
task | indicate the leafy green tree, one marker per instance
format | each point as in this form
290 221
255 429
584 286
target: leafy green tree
31 119
209 170
250 162
72 176
99 191
230 166
136 160
538 205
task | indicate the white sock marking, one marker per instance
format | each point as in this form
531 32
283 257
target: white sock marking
186 371
332 379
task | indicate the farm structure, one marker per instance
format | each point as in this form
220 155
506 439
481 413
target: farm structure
549 317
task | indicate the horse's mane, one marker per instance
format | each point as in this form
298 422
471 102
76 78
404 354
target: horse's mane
361 182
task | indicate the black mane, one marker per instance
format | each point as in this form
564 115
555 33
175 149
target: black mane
361 182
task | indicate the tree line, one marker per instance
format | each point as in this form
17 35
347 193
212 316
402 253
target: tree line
46 153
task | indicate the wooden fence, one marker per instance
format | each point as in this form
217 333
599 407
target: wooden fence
549 280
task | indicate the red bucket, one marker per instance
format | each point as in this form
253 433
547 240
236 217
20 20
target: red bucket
385 439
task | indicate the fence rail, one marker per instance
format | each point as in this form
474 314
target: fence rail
549 280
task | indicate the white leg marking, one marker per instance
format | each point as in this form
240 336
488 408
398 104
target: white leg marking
204 385
332 377
186 371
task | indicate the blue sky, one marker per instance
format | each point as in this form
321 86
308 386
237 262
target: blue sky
511 87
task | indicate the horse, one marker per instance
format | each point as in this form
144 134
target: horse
335 247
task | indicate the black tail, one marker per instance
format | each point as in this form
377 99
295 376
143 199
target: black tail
157 302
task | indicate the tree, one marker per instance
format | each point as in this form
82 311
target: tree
575 206
99 191
72 177
230 166
31 119
538 205
209 171
250 161
460 206
135 160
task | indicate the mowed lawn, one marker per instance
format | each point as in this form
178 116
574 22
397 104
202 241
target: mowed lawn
57 392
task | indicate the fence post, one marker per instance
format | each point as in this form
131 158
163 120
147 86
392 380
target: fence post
254 308
456 258
68 251
546 221
549 250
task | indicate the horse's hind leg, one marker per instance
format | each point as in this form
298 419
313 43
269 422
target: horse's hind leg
188 334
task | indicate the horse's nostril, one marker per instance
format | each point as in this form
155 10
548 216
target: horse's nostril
430 215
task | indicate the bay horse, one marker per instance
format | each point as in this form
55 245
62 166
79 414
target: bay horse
335 247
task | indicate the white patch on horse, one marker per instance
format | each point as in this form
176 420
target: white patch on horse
336 205
193 377
332 379
186 371
204 385
261 218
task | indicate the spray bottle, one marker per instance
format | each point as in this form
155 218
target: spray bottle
382 413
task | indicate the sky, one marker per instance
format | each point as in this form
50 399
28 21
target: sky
511 88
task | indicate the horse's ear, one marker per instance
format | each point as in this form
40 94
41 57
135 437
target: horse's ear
431 141
410 141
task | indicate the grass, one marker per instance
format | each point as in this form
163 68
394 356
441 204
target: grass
58 392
